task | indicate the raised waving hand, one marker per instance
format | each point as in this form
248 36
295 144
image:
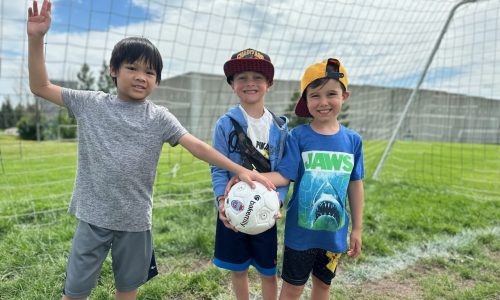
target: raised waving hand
39 21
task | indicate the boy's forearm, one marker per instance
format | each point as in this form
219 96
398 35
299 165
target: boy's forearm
214 157
356 202
36 64
38 77
203 151
277 179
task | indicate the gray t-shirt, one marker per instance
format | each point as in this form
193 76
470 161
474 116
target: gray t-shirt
119 144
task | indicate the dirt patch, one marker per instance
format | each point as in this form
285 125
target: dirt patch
404 285
186 264
387 288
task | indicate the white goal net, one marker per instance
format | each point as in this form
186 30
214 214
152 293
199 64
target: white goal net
443 55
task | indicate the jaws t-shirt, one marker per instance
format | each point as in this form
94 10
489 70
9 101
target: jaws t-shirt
322 167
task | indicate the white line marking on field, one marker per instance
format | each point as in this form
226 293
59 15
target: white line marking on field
380 267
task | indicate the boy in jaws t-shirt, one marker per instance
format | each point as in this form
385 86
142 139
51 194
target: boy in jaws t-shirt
325 160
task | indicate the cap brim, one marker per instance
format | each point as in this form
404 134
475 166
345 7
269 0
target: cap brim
241 65
301 108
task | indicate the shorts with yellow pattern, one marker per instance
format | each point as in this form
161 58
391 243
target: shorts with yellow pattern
298 265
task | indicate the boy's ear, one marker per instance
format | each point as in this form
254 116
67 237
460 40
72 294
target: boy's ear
346 95
112 72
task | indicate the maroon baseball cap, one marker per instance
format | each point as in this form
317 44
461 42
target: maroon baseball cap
249 60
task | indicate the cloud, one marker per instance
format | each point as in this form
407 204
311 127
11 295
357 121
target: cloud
384 42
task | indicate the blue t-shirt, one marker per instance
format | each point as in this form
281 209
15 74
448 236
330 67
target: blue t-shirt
322 167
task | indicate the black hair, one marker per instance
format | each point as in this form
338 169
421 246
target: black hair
132 49
320 82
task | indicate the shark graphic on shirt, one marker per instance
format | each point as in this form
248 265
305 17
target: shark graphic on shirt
322 191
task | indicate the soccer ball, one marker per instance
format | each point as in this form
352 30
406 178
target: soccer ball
251 211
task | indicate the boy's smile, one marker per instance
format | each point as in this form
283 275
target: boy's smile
135 81
324 111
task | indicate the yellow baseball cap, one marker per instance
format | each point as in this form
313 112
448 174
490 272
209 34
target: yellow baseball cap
317 71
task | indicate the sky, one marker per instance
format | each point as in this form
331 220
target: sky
380 42
100 15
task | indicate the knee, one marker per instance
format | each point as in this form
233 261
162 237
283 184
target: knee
320 285
132 295
240 275
290 291
269 279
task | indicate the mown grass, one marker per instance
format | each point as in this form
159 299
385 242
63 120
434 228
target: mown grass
471 169
401 212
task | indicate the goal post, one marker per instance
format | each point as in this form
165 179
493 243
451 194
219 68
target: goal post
416 89
423 77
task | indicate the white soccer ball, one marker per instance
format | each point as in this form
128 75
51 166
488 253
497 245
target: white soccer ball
251 211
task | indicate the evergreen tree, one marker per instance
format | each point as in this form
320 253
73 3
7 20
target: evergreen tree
66 132
85 78
19 111
343 115
7 115
293 119
26 125
105 82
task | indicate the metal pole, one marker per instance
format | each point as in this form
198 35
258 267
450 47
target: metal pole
416 89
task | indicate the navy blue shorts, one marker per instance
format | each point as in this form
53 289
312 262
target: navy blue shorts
236 251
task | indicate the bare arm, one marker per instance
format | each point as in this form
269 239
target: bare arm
37 27
277 179
206 153
355 193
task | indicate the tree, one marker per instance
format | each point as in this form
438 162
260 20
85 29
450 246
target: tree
85 78
105 83
343 115
26 127
8 116
66 132
19 111
293 119
86 81
26 122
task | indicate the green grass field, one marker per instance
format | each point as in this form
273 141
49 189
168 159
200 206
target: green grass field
431 225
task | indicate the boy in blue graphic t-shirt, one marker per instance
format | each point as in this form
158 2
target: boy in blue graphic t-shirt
325 160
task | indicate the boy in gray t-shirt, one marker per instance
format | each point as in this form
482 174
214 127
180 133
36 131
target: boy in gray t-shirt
120 141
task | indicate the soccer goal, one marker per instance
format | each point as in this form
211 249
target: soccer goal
423 77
